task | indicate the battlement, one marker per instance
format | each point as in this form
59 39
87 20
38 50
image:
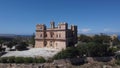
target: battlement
62 25
57 37
40 27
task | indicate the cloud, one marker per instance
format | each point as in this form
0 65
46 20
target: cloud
110 30
106 30
85 30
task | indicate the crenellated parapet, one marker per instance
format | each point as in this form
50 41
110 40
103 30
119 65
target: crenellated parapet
40 27
58 37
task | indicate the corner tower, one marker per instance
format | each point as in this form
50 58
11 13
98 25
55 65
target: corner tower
40 34
55 37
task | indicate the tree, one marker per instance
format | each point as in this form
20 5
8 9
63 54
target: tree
10 44
116 41
70 52
82 49
32 41
94 49
84 38
21 46
1 43
102 38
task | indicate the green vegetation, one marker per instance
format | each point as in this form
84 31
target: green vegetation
28 60
88 46
94 46
3 60
19 59
92 49
39 60
21 42
11 59
117 57
70 52
22 60
32 40
84 38
21 46
117 62
102 38
83 50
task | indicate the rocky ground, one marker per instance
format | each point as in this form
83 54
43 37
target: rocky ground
46 53
33 52
61 64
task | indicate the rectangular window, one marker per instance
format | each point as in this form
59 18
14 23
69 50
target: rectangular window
51 35
45 35
40 35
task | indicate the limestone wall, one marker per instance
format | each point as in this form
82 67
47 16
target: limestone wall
60 45
55 37
39 44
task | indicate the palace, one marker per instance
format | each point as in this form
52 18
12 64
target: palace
58 37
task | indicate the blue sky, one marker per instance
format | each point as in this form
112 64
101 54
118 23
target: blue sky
91 16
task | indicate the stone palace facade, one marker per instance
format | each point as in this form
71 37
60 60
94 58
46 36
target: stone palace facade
58 37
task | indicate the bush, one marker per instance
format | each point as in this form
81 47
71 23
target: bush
28 60
19 60
3 59
11 59
21 46
112 50
93 49
117 62
39 60
70 52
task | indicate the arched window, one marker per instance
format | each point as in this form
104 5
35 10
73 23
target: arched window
40 35
45 43
51 34
40 27
59 35
46 35
50 43
59 27
56 35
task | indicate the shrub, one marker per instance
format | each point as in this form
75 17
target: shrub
11 59
19 59
39 60
70 52
93 49
112 50
3 59
117 62
21 46
28 60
